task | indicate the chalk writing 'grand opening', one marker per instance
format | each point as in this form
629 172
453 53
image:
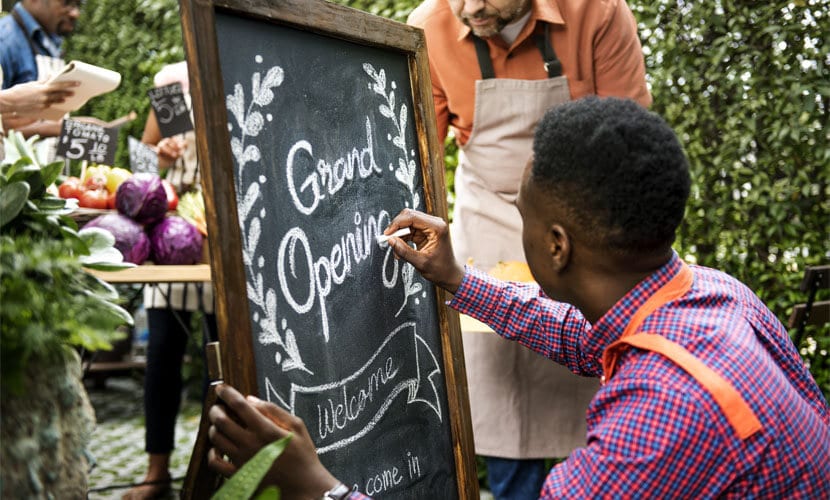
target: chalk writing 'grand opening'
326 270
332 176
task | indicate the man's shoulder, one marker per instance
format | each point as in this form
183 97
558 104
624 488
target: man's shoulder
13 40
430 12
7 26
579 12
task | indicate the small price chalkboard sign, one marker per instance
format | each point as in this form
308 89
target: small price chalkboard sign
88 141
171 109
143 158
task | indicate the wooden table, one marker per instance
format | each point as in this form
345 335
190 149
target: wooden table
151 273
147 274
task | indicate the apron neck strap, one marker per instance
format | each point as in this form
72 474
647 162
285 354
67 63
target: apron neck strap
675 288
22 27
550 61
737 411
484 62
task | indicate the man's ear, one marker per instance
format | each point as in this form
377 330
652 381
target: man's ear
559 247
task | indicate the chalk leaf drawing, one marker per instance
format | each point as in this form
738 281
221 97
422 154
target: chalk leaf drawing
407 169
249 123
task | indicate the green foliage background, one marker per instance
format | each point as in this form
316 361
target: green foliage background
743 83
135 38
745 86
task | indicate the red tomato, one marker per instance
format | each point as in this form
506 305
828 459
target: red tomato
94 198
72 187
111 200
96 181
172 197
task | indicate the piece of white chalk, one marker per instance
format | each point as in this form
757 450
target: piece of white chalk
383 238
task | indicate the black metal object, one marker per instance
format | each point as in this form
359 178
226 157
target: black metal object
815 278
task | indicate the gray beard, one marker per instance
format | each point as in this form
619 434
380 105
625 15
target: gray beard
501 21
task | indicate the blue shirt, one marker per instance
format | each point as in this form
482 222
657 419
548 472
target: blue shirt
16 53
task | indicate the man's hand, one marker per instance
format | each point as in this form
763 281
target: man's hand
243 426
432 256
30 98
169 150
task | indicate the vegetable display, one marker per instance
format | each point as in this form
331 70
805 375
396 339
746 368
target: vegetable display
172 197
96 187
175 241
141 227
142 198
130 238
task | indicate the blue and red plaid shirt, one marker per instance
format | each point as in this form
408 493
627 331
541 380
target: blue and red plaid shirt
653 430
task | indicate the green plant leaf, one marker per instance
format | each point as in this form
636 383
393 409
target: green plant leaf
49 173
243 484
269 493
10 167
96 238
118 313
13 198
51 205
108 266
22 170
23 148
108 290
109 259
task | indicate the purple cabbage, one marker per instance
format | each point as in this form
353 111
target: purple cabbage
142 198
130 238
175 241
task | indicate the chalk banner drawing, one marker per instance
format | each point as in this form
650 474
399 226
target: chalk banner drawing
346 335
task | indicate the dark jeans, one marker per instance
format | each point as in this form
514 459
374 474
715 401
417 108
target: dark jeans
163 374
513 479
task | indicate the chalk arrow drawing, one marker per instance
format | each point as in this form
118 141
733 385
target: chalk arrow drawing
347 409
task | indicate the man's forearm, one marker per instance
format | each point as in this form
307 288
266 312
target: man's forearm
42 128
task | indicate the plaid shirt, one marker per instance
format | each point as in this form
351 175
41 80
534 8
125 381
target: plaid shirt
652 429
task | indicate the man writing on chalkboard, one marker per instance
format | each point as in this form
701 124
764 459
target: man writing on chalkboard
704 394
496 66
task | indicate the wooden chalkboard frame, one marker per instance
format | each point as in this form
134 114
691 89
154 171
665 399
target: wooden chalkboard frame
213 142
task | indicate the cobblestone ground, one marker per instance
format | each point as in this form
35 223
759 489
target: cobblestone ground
117 445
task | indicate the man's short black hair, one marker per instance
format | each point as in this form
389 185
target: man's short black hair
616 169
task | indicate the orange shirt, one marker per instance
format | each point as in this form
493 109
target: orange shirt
595 40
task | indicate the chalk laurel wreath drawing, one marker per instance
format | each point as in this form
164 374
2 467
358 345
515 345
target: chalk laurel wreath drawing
405 173
250 123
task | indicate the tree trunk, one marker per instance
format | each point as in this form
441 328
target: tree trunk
44 433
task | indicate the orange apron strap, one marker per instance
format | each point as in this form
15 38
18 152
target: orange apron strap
733 405
675 288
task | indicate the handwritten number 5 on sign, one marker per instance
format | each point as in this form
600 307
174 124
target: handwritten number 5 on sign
87 141
172 112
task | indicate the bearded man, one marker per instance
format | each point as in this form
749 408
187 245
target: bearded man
496 67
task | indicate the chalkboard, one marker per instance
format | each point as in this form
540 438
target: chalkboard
87 141
143 158
172 113
327 133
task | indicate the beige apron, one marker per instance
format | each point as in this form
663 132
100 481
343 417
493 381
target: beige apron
522 404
